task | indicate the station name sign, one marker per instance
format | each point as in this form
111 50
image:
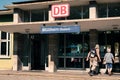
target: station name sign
60 29
60 10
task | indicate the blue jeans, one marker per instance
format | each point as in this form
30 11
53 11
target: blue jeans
109 65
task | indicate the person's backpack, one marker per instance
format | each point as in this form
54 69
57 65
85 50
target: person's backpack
92 53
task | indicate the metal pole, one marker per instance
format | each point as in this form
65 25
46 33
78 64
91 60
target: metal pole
83 53
28 50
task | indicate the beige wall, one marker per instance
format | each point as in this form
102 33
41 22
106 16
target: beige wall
6 63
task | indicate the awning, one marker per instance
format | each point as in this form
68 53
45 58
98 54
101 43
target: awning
101 24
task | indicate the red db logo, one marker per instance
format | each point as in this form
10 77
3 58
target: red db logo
60 10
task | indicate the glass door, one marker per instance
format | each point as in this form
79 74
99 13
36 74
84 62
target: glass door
110 39
73 49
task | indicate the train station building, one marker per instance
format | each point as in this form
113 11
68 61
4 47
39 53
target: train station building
56 35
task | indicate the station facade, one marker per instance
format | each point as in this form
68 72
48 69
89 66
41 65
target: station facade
32 38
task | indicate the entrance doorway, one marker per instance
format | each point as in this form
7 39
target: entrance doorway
110 39
113 40
73 49
38 52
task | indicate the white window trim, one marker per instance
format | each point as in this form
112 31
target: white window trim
7 46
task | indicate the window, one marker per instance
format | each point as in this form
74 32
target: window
102 11
3 36
36 15
4 43
114 10
77 12
6 18
73 49
108 10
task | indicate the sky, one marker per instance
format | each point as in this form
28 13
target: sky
8 2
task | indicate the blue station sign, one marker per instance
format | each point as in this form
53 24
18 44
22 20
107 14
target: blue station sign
60 29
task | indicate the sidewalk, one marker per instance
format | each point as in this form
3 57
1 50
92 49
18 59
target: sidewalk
62 75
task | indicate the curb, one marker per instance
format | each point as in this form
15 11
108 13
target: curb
62 74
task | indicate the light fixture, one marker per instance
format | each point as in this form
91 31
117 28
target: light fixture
76 22
27 30
115 26
44 24
59 23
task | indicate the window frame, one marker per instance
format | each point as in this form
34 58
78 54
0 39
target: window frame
7 40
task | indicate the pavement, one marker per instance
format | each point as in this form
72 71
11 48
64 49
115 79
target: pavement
59 75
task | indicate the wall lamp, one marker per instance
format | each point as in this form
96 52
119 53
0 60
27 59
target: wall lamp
44 24
76 22
27 30
115 28
59 23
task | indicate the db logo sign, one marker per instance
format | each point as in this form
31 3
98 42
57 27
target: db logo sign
60 10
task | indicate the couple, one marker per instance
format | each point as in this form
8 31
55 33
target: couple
94 56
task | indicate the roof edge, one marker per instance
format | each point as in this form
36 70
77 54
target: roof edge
22 2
